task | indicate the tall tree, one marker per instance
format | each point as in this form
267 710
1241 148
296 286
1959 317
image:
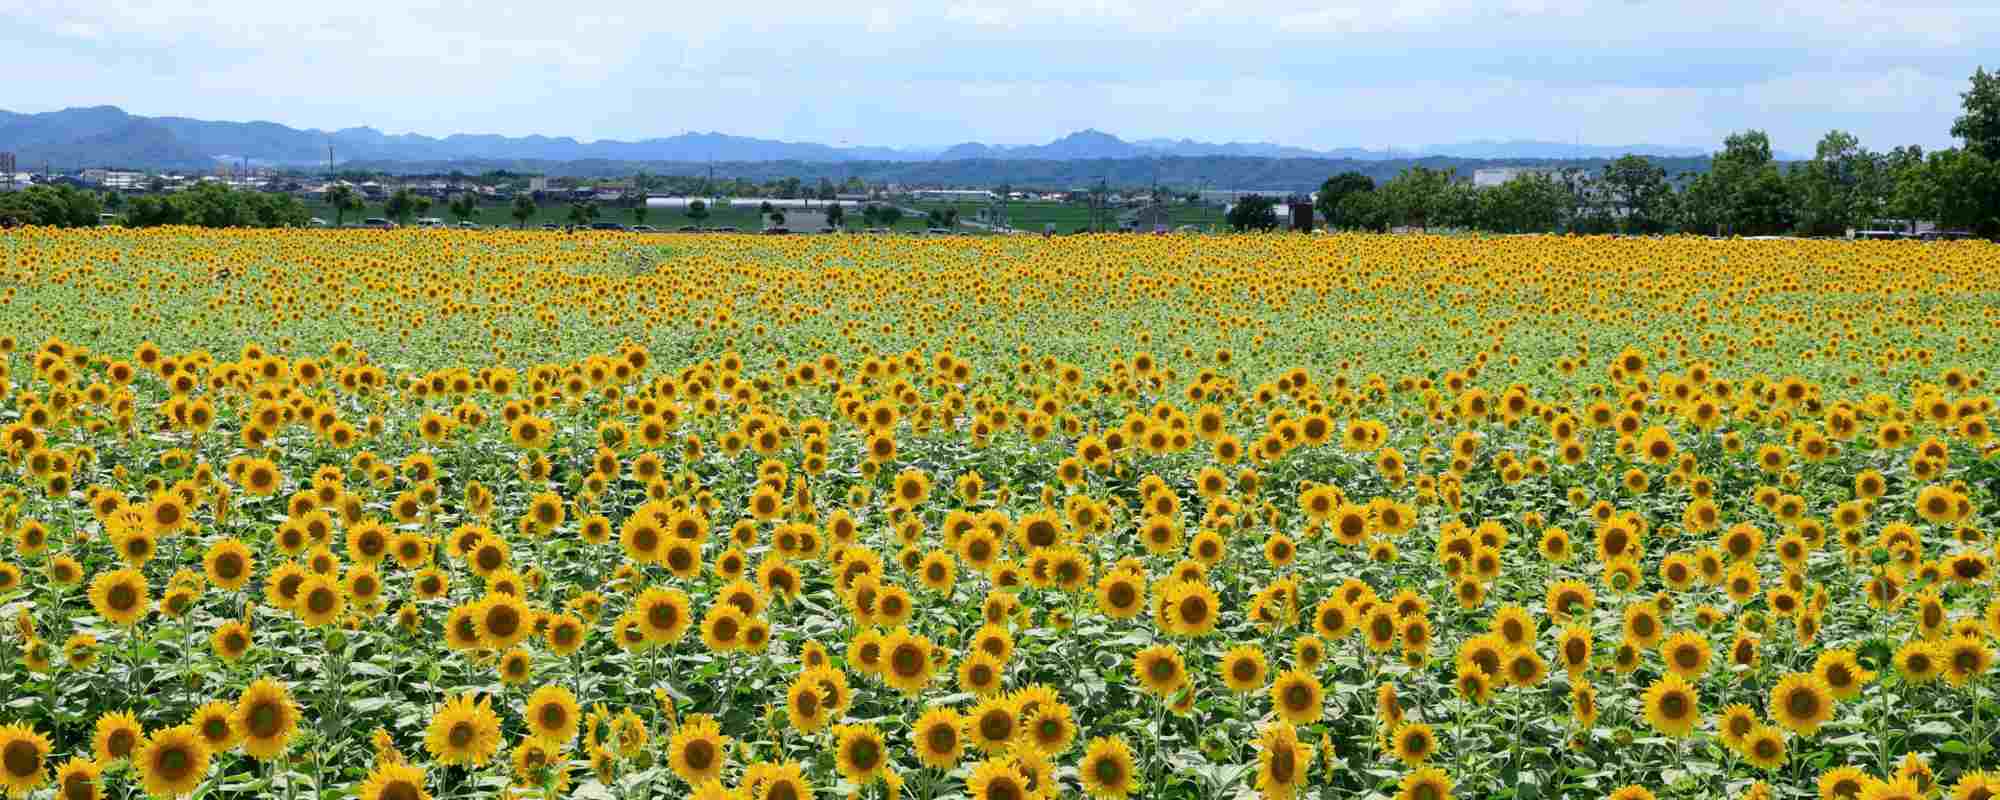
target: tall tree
1979 126
1335 190
1637 188
697 210
524 207
342 199
1253 212
401 204
464 206
836 215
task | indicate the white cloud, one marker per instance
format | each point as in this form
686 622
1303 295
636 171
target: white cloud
1014 71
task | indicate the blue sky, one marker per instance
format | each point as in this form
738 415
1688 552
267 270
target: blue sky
1403 73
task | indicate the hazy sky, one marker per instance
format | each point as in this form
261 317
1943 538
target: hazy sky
1401 72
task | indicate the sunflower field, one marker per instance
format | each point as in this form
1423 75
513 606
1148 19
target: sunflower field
430 514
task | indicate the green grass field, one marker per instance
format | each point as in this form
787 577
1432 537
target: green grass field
1068 217
742 217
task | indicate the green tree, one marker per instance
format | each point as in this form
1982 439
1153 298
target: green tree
1639 188
1979 126
889 215
54 206
1839 188
1411 196
421 205
1364 211
524 207
464 206
1336 189
639 212
1967 191
402 203
697 210
1253 212
342 199
836 215
1911 195
1755 197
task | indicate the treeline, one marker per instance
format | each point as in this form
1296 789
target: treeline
208 205
1182 173
54 206
1744 192
213 205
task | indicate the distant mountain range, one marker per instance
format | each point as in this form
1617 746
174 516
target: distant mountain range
108 136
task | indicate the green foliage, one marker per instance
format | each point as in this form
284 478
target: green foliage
214 205
56 206
1253 213
1334 191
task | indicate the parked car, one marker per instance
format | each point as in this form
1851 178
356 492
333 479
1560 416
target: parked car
644 229
467 225
777 230
377 223
606 226
550 226
690 228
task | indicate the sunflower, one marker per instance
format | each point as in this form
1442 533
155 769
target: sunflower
807 708
663 614
1630 791
939 738
1843 783
1686 654
1965 658
1282 761
1919 662
1801 703
172 762
994 724
1671 706
995 779
1243 669
1047 728
1121 594
552 714
465 731
1159 669
907 661
79 779
1573 647
120 597
1735 724
1842 673
1297 697
320 601
1424 783
229 564
698 751
1524 668
117 734
722 629
1415 742
1106 770
265 717
860 753
213 721
231 640
1642 624
23 759
1764 747
394 780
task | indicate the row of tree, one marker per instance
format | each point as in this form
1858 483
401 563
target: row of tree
1746 191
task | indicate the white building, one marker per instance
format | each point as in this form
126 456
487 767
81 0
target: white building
1490 177
953 194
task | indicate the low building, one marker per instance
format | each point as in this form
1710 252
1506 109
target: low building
1494 176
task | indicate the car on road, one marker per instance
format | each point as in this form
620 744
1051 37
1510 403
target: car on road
377 223
644 229
606 226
